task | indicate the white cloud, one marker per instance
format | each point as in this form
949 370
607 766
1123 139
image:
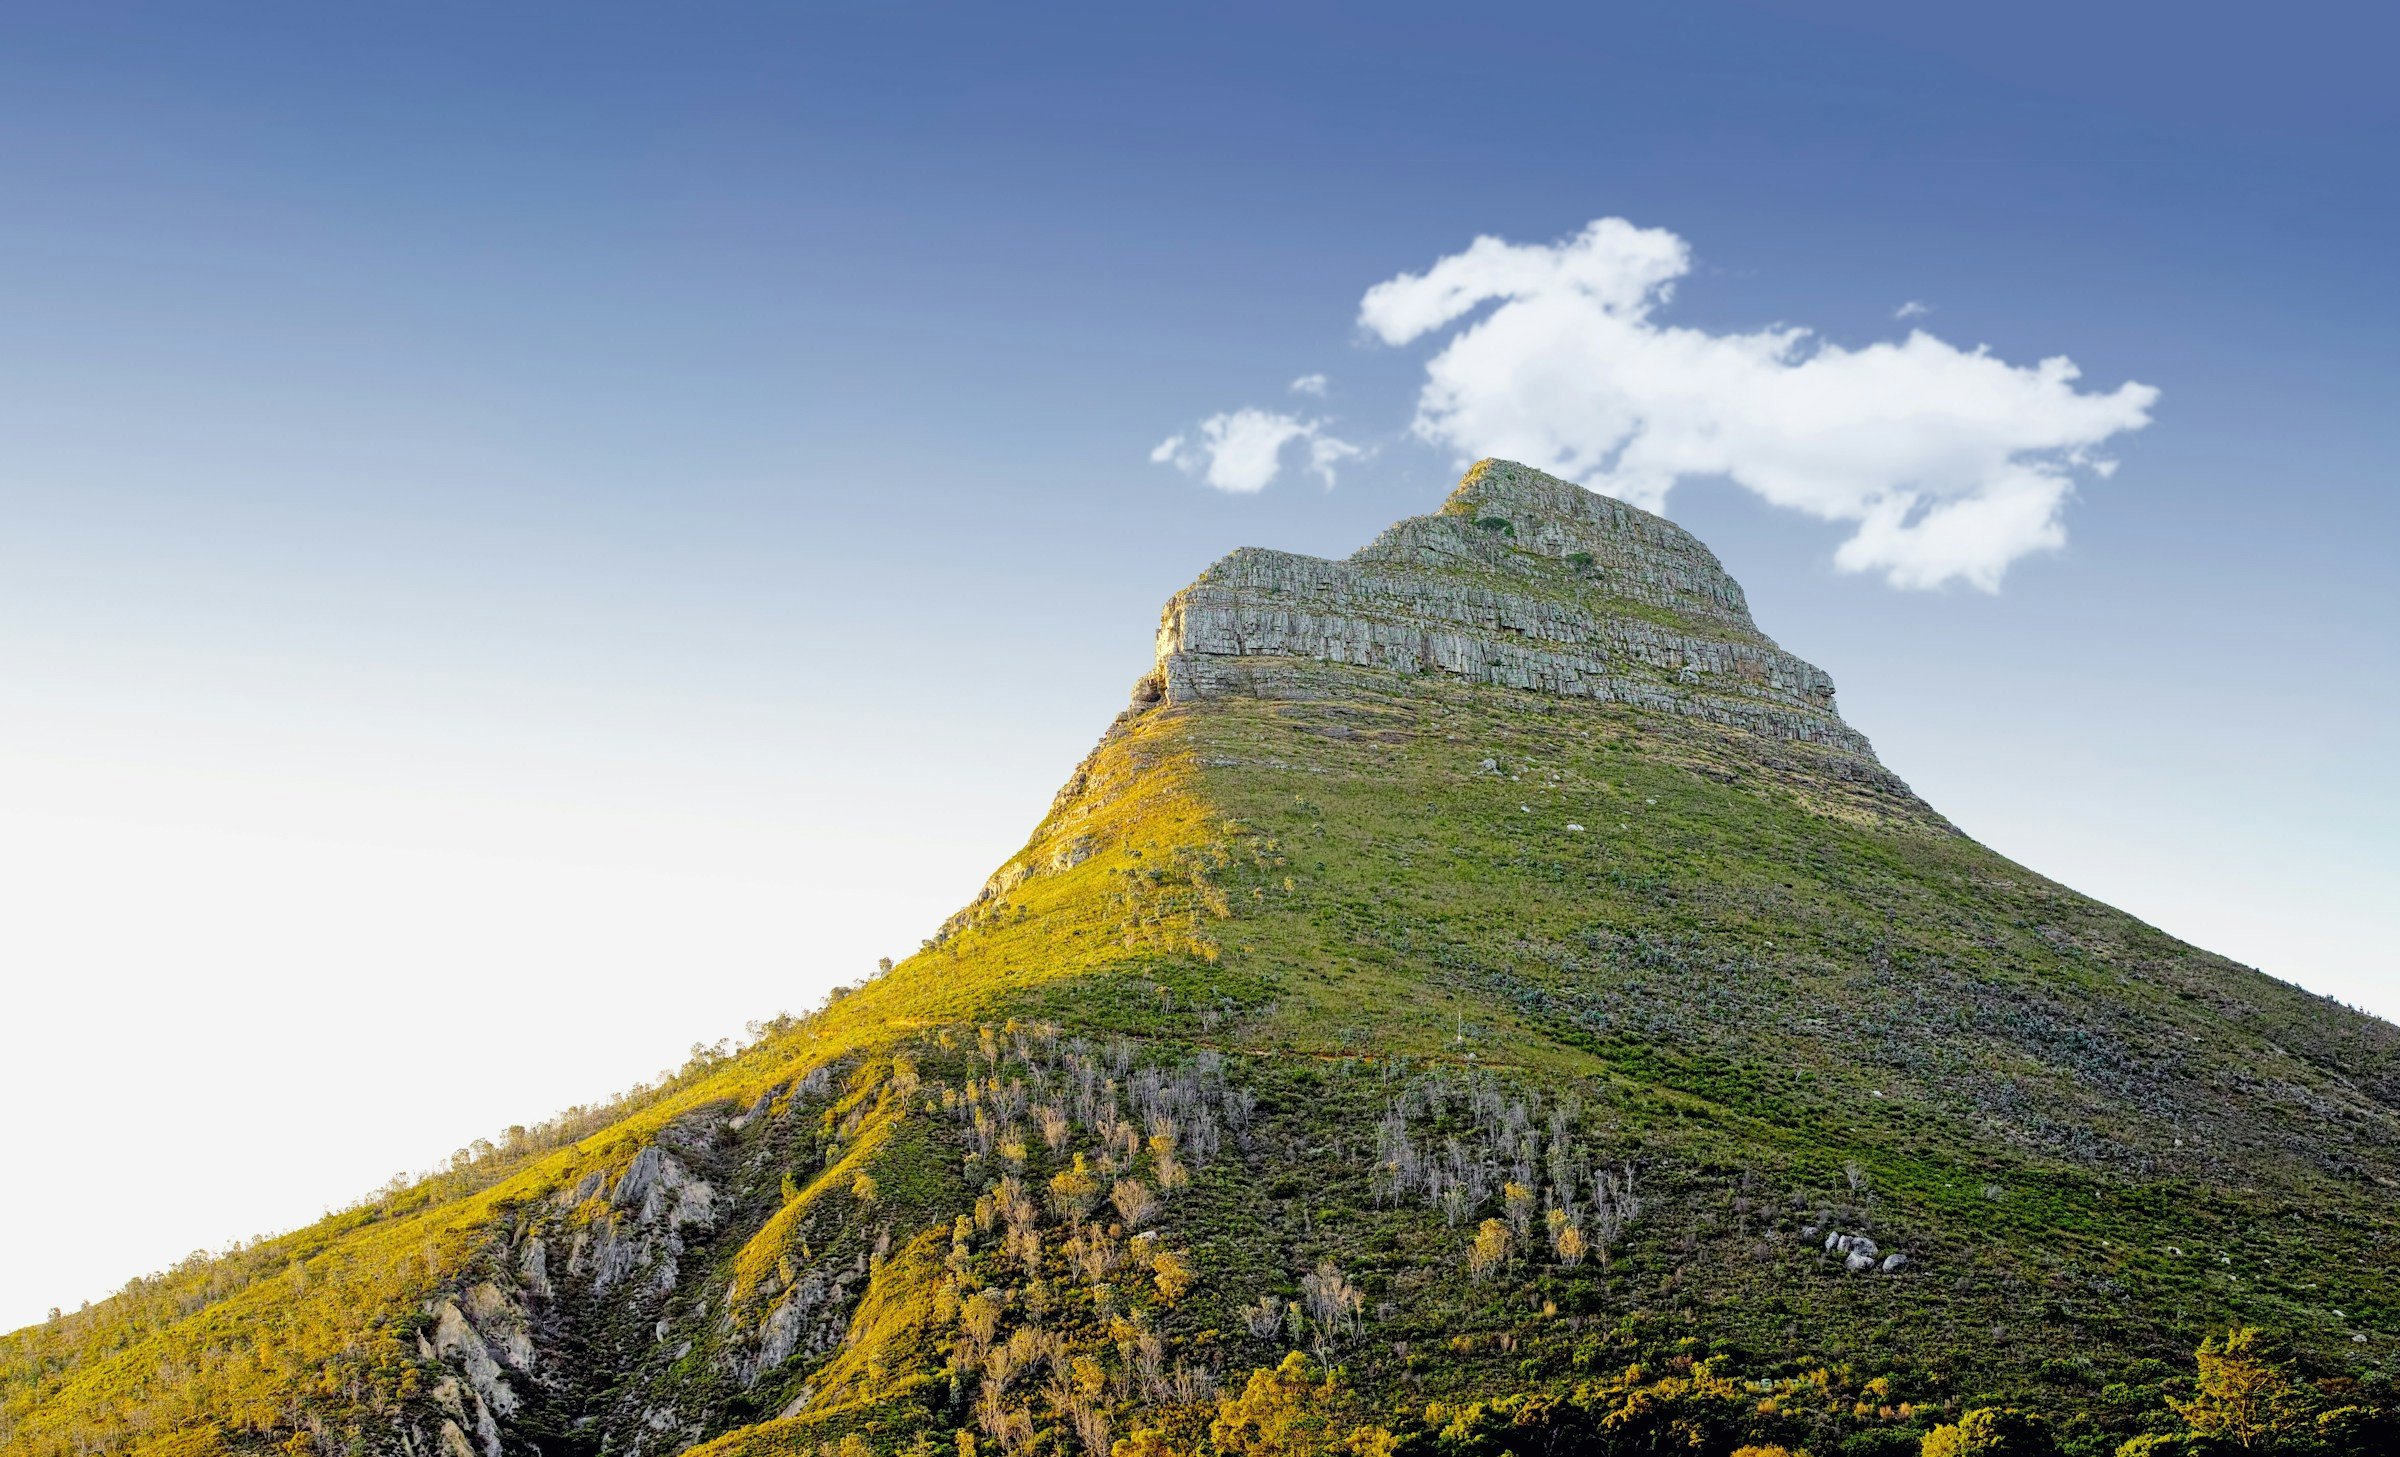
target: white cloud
1310 384
1327 451
1242 451
1950 463
1912 310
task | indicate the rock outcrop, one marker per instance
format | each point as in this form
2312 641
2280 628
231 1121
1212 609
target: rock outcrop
1521 581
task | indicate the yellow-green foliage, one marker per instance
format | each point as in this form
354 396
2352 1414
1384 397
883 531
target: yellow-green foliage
311 1330
770 1250
321 1324
1694 1409
891 1353
204 1440
1992 1432
1292 1411
2246 1394
1793 999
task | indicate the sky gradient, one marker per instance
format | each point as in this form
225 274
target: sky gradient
535 538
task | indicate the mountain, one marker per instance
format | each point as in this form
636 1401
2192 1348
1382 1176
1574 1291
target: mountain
1488 965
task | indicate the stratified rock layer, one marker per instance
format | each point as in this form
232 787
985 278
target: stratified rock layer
1521 581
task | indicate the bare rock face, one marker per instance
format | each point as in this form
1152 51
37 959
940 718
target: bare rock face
1521 581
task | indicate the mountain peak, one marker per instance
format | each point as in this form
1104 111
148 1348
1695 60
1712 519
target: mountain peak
1521 582
1486 960
1559 517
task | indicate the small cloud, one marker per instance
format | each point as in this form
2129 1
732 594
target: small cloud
1310 384
1242 451
1325 452
1948 464
1912 310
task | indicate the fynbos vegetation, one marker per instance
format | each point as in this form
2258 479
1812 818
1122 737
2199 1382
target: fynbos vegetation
1480 999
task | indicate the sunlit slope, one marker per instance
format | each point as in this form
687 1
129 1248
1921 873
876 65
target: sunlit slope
1503 878
318 1332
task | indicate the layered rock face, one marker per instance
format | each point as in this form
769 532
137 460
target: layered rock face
1521 581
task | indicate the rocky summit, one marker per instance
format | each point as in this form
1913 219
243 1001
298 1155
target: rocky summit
1525 581
1480 997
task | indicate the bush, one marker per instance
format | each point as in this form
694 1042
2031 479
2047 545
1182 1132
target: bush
2359 1429
2177 1444
2246 1394
1992 1431
1290 1411
1629 1416
1886 1442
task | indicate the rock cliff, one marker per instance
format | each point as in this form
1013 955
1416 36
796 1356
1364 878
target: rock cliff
1521 581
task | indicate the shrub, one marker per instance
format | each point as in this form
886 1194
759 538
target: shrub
2245 1394
2359 1429
1992 1431
1136 1205
2173 1444
1279 1413
1145 1442
1489 1251
1627 1416
1174 1274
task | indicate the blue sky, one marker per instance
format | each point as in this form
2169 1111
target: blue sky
533 538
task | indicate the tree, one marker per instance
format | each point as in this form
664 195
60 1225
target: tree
1288 1412
1992 1431
2245 1394
1371 1441
1174 1274
1517 1200
1076 1188
1489 1251
1146 1442
1567 1242
1333 1302
1280 1413
1136 1205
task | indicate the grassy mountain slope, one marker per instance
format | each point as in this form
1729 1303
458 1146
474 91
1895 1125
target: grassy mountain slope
1475 1038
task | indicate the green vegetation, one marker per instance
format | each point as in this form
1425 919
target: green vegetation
1989 1431
1419 1069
